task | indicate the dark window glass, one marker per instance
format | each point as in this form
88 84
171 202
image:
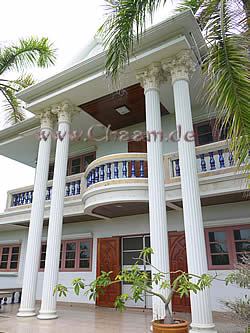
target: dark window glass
130 258
147 241
70 246
76 166
13 265
70 255
84 263
204 134
242 246
15 250
51 172
135 243
70 264
14 257
3 265
88 159
218 248
6 250
217 236
220 259
243 234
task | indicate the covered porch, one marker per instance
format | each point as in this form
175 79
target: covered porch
91 319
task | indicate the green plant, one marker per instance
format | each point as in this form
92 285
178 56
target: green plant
142 282
18 57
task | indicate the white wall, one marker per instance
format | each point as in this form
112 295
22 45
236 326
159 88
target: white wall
226 214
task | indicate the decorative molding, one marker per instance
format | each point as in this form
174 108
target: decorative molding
47 118
150 77
180 67
64 111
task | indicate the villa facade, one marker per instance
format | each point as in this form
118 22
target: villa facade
118 169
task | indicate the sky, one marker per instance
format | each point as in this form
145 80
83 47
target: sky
70 25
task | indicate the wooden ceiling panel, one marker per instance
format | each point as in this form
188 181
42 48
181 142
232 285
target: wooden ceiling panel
104 109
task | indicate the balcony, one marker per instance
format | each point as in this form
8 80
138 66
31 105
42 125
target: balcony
122 178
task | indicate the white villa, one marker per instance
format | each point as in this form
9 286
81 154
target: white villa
112 177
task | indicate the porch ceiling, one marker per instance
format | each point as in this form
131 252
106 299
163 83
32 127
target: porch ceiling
104 109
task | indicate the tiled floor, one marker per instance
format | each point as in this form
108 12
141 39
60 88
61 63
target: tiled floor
79 319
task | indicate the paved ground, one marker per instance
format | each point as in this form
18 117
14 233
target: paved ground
87 319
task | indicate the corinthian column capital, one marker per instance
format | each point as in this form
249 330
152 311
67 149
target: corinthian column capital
47 118
64 111
150 77
180 66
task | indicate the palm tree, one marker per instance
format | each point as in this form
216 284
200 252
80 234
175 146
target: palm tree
225 25
17 57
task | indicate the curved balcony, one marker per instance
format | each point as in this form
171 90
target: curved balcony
115 179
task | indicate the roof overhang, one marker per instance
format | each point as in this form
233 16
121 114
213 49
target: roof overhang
86 80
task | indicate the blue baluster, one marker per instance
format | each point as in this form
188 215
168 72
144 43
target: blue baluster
22 198
18 199
231 158
67 190
221 158
73 188
124 169
133 174
102 173
78 187
142 169
109 175
177 168
97 175
26 198
31 196
212 161
89 179
203 162
116 170
93 177
14 201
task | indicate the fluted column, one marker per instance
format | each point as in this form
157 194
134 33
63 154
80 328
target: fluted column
150 80
180 67
48 303
27 307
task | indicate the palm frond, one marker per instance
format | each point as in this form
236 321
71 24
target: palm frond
125 22
226 70
12 107
27 52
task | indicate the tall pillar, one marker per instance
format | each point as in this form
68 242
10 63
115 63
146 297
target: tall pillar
27 307
150 79
48 303
180 67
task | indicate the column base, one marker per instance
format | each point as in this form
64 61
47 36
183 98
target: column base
26 313
199 328
47 315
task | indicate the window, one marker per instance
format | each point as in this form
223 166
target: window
80 163
75 255
132 247
207 132
9 257
227 246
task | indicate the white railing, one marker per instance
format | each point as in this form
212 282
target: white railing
24 196
116 166
209 158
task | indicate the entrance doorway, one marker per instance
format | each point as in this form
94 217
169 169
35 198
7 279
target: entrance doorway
178 261
108 259
131 249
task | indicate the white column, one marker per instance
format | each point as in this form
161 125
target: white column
48 303
180 67
150 80
32 261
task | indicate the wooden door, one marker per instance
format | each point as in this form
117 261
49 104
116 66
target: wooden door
109 259
178 261
138 147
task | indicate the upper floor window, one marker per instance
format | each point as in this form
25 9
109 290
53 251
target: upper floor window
9 257
75 255
76 164
207 132
227 246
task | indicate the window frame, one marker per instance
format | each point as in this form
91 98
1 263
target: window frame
215 133
77 256
230 242
82 162
10 246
